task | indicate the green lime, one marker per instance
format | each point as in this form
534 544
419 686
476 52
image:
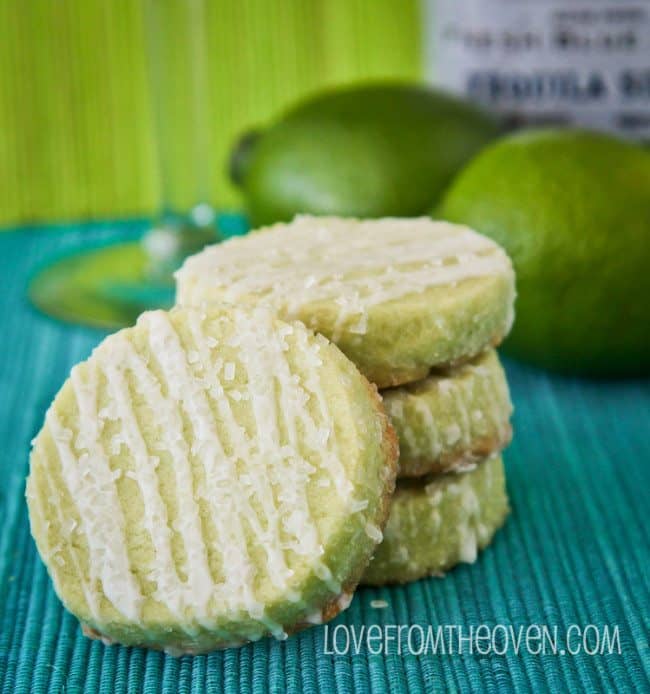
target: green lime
384 149
572 209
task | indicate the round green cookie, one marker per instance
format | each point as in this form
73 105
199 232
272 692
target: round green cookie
398 296
206 479
440 522
452 418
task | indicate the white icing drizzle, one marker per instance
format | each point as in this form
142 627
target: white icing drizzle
463 394
169 590
36 506
92 487
262 359
429 425
344 600
332 452
255 482
219 469
244 448
266 368
452 433
97 466
468 550
315 617
498 389
480 381
374 532
454 526
261 483
356 264
199 586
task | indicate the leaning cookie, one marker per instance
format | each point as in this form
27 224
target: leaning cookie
438 524
207 478
452 418
398 296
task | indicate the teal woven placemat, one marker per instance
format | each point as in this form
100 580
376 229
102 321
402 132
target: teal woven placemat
576 551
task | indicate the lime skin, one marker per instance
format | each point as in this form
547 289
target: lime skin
572 209
374 150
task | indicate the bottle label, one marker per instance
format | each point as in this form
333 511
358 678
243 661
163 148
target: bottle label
552 62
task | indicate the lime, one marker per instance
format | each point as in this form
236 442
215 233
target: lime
381 149
572 209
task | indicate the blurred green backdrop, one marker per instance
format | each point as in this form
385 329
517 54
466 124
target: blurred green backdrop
76 138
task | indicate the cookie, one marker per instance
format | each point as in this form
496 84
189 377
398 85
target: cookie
438 523
398 296
452 418
207 478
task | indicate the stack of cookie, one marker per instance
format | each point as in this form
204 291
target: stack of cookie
220 472
418 305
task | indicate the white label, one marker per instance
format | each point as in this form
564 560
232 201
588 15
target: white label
584 62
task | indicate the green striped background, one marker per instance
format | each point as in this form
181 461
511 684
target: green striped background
76 135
